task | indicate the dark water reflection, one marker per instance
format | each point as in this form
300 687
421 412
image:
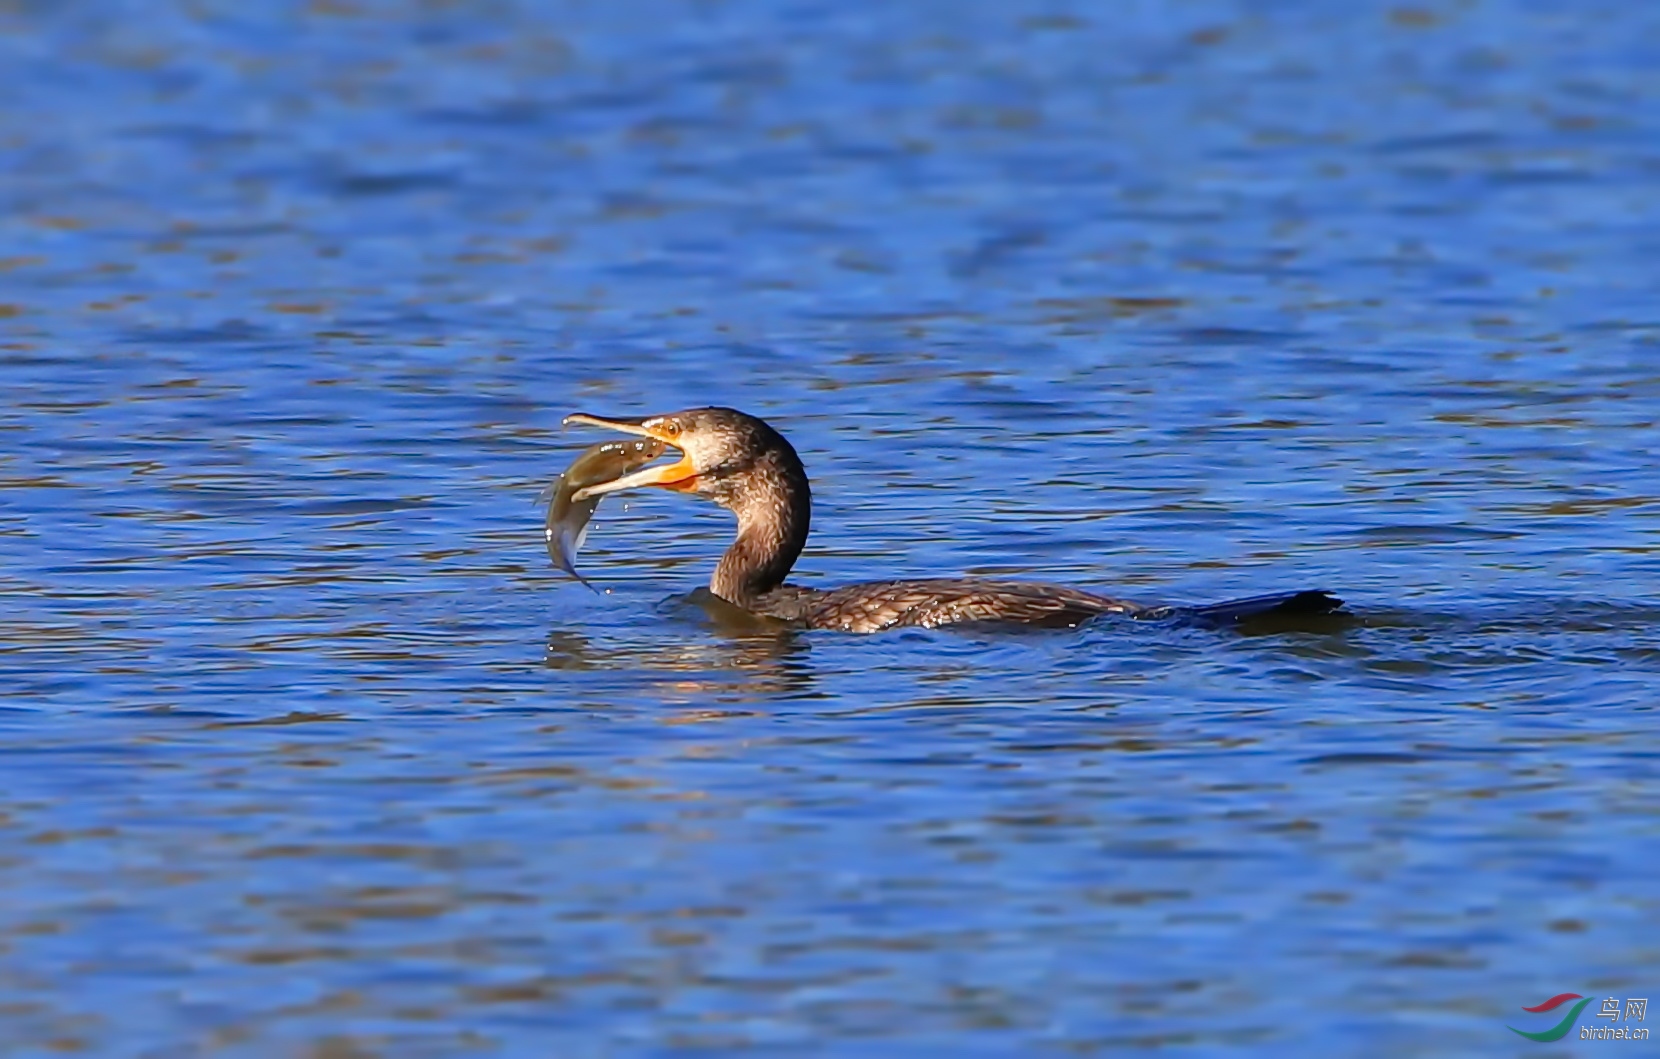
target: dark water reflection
309 752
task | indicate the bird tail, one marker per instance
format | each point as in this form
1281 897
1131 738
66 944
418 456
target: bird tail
1238 611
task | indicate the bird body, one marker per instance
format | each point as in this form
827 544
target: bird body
746 466
870 606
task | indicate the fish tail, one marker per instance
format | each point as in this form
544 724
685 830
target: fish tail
564 563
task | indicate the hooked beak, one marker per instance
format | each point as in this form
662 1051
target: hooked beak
679 476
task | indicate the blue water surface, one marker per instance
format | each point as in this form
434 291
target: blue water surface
309 751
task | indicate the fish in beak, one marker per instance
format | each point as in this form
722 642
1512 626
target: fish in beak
678 476
569 510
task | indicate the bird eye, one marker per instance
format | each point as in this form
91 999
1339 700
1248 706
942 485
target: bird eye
670 428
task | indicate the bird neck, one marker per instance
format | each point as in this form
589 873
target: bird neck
773 521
